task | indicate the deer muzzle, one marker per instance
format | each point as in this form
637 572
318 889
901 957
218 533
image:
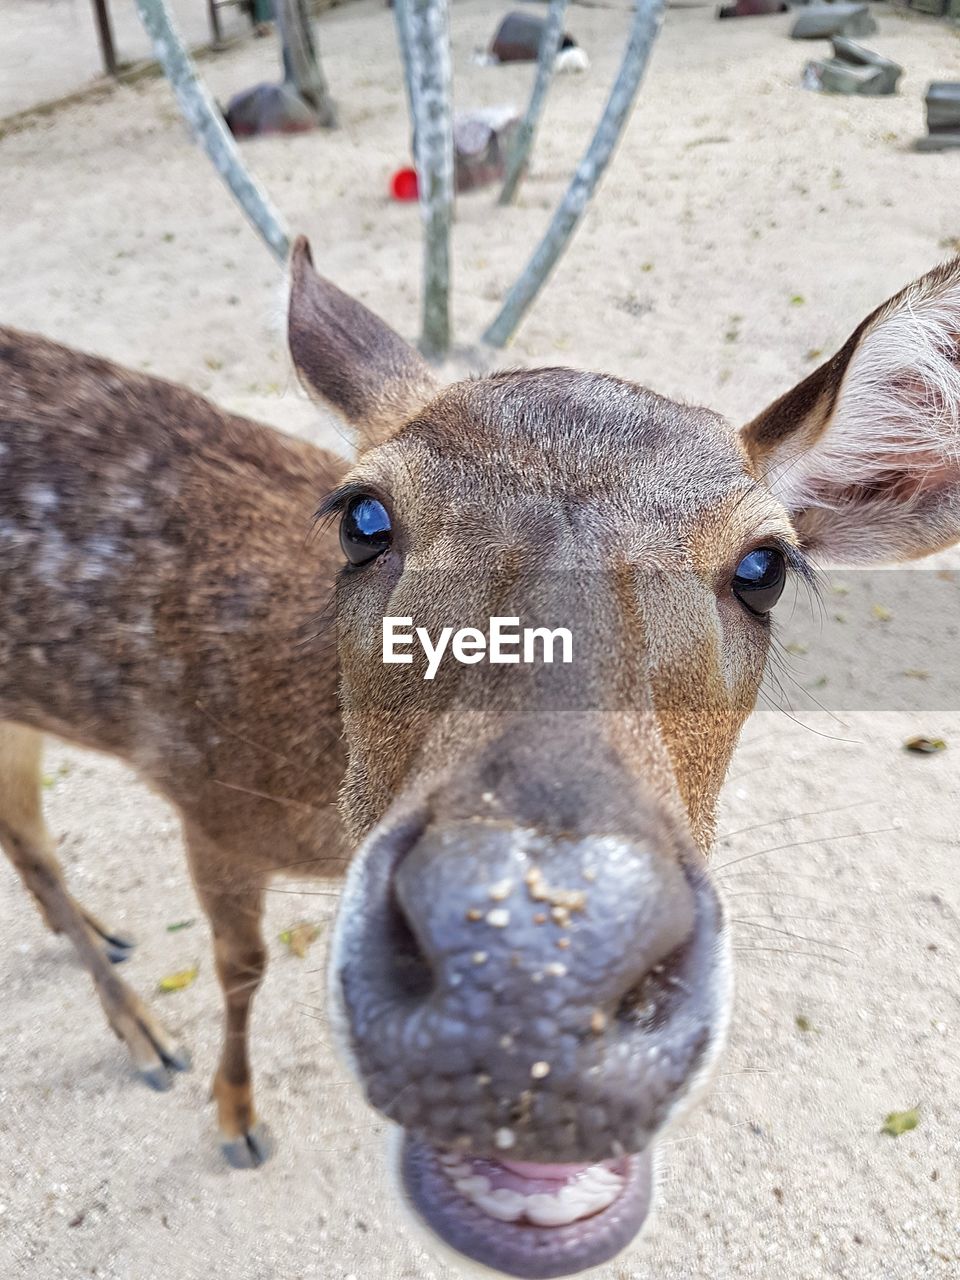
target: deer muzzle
532 1006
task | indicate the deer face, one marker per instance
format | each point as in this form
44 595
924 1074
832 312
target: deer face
531 965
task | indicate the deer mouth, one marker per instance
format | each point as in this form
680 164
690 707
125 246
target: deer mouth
528 1220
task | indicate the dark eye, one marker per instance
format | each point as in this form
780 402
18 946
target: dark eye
365 530
759 579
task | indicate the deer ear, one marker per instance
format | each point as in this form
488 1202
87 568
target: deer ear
349 358
865 453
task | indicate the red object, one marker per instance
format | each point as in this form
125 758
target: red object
403 185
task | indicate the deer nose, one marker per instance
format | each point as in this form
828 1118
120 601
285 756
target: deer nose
500 981
509 916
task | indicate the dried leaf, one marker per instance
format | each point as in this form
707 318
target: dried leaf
180 924
48 780
804 1023
925 746
900 1122
797 648
916 673
881 612
300 937
178 981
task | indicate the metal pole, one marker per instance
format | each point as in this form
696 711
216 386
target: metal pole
105 34
647 17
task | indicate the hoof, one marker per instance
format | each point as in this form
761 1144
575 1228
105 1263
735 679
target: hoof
160 1077
118 949
250 1150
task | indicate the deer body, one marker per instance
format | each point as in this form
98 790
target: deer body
118 495
529 971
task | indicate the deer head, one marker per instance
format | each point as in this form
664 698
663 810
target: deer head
531 964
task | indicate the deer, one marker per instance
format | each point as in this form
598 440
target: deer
530 970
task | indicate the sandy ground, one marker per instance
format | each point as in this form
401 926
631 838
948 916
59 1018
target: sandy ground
746 226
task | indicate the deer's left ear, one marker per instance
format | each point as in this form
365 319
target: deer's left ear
865 453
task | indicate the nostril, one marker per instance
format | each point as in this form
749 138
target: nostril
650 1003
412 972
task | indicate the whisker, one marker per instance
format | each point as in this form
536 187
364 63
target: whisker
787 951
304 893
791 817
786 933
831 737
800 844
257 746
281 800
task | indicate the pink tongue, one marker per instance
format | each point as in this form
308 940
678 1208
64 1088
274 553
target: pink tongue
527 1178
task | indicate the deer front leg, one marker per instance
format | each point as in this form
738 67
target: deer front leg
241 957
24 836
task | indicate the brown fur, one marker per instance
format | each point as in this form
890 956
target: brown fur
118 493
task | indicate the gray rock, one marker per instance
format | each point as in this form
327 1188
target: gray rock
820 22
269 108
853 69
943 106
518 38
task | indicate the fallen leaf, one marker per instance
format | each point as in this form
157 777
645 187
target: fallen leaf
299 937
797 300
178 981
900 1122
180 924
49 780
925 746
881 612
804 1023
796 647
916 673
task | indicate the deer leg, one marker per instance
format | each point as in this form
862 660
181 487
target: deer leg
235 913
24 836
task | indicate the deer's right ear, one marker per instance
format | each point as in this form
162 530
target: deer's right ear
865 453
349 358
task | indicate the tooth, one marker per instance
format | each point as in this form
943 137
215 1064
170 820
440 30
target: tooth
550 1211
598 1176
459 1170
475 1186
595 1200
503 1204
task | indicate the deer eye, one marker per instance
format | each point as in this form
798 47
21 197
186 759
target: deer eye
365 530
759 579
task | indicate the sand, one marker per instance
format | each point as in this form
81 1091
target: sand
746 226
